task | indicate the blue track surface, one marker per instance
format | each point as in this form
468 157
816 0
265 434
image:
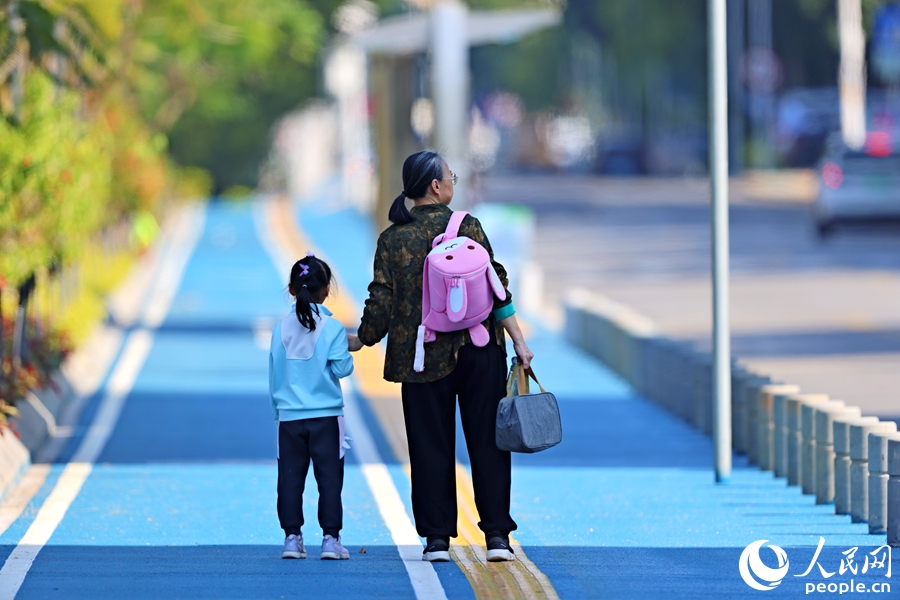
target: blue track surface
182 501
626 506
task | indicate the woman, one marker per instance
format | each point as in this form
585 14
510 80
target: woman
453 367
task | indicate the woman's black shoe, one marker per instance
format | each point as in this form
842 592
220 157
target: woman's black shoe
498 548
437 549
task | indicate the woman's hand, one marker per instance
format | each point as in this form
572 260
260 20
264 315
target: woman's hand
525 355
511 325
353 342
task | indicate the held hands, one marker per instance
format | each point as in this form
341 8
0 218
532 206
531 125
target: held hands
353 342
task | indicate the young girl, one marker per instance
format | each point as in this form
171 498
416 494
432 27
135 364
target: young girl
308 355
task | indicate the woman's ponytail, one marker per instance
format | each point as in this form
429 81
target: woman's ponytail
399 214
419 170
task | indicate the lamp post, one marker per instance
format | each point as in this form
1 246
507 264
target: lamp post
450 88
718 156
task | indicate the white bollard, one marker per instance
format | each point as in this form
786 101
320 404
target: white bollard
794 404
893 509
702 386
781 433
751 401
878 480
859 466
808 451
841 431
739 378
765 422
825 448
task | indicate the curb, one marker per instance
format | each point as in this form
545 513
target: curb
14 461
35 425
39 412
829 450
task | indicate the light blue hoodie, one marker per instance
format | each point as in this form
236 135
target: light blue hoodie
304 367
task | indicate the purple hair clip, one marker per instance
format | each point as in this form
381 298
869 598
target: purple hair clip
304 270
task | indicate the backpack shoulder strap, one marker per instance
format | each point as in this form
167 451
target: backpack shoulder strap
456 220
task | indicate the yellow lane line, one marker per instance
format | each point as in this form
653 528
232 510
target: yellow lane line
520 579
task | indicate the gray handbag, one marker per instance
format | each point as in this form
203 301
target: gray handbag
527 422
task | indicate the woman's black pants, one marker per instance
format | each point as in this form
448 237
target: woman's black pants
429 411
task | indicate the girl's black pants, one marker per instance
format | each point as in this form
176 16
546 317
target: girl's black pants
429 411
298 443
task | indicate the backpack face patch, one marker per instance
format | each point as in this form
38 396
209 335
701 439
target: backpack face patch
459 256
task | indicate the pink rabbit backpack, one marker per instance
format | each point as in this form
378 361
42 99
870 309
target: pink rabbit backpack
458 288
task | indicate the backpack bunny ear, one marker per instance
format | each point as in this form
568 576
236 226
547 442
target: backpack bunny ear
457 300
496 283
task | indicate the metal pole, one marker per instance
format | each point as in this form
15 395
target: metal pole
852 76
718 156
450 89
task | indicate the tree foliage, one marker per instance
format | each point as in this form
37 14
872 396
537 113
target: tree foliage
98 97
216 74
55 177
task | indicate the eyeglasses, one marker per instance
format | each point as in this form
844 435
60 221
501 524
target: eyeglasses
453 178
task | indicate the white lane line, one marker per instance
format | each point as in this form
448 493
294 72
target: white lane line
424 579
279 256
16 503
54 509
174 263
125 373
52 512
137 348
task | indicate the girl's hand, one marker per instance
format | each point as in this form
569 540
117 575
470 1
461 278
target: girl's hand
353 342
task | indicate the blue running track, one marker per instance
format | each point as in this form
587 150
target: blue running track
181 502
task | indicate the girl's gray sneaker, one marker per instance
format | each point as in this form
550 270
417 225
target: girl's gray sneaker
333 550
293 547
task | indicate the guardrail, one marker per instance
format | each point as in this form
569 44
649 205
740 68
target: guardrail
826 448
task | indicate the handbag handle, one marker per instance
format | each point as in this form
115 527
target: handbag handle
531 374
520 376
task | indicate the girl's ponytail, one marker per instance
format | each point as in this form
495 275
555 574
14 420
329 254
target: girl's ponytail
305 308
310 277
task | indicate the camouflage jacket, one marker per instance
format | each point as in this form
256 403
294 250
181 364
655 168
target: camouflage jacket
394 306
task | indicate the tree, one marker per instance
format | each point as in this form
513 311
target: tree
216 74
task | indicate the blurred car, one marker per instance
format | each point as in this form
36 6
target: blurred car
621 155
858 184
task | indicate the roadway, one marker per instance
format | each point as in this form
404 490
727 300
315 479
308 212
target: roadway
821 314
